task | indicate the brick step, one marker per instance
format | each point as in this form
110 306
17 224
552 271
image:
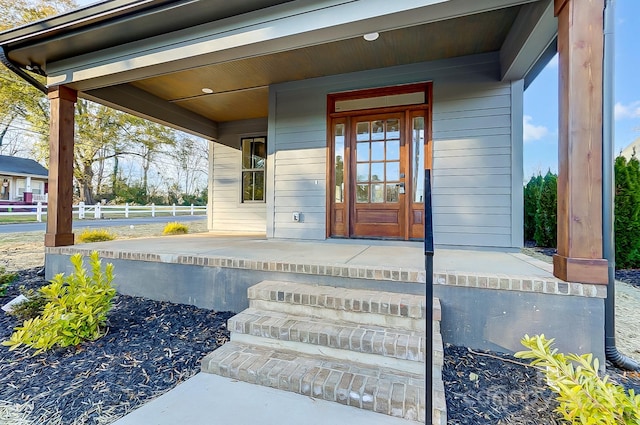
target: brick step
398 349
377 308
373 388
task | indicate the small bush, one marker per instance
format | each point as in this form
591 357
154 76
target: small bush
6 279
30 308
175 228
76 309
584 397
98 235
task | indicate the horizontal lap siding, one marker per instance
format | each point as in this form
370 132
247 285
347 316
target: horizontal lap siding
472 187
229 213
300 167
472 161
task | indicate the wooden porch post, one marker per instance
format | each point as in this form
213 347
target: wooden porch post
580 46
59 209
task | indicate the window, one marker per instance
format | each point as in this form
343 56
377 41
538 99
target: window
254 159
21 185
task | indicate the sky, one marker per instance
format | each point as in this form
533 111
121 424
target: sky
541 97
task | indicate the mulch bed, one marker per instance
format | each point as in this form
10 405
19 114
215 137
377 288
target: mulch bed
483 387
489 388
149 348
630 276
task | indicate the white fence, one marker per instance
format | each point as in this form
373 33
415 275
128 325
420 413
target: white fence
99 211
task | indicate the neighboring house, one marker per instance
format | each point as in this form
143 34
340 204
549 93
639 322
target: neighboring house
22 180
632 149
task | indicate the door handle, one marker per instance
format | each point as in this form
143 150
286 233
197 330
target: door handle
400 187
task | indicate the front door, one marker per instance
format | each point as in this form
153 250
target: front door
377 170
378 201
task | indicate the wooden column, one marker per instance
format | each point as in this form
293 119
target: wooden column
580 45
60 204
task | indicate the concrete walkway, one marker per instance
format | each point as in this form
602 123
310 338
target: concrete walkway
207 399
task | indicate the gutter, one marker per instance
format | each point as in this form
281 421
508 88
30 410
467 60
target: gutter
22 74
608 185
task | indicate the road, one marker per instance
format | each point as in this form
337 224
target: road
80 224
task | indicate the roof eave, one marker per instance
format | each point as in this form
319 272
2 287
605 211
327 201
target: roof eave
74 19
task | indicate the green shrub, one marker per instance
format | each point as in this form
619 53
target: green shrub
531 199
584 397
31 307
6 279
98 235
546 233
76 309
627 212
175 228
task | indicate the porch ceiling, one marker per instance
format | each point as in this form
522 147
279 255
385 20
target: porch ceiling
241 87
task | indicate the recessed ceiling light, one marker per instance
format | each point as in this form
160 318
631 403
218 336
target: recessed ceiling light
372 36
207 90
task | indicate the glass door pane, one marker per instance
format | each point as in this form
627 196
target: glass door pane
417 160
338 140
377 161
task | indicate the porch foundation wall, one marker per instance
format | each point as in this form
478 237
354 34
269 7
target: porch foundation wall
479 317
497 319
215 288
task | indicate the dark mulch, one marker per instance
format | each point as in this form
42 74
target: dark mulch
484 387
631 276
490 388
149 348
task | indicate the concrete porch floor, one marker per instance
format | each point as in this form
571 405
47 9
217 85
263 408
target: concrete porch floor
347 252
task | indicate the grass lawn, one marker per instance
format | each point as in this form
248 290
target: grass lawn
9 219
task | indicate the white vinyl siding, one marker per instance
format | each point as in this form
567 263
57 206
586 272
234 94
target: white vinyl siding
474 179
229 213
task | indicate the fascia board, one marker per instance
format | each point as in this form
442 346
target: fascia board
534 30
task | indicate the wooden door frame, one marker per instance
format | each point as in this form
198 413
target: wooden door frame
334 117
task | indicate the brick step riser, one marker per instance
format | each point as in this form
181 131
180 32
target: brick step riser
372 319
343 299
340 355
379 341
348 385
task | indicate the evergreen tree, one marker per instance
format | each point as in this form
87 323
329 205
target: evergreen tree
546 233
531 199
627 212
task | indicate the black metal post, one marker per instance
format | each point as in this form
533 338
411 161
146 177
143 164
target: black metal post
428 266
